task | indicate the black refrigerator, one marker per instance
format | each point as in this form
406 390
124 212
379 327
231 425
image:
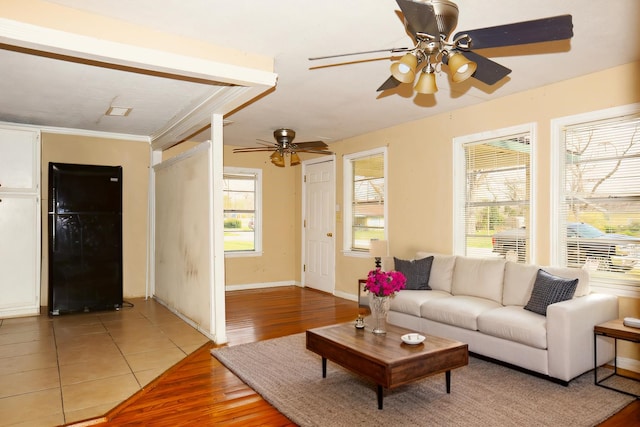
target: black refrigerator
85 238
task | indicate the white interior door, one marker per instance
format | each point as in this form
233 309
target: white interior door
319 226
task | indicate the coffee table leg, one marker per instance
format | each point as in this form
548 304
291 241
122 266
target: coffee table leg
447 378
324 367
380 396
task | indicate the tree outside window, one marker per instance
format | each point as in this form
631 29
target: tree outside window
241 210
492 192
598 210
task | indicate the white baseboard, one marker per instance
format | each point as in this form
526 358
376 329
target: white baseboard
186 319
629 364
261 285
346 296
245 286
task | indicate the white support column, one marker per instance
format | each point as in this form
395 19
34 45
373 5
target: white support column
155 157
218 306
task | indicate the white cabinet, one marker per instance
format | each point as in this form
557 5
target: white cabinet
20 220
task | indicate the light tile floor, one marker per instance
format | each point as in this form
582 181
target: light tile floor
56 370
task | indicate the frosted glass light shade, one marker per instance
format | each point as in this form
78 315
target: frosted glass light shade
426 84
277 159
405 70
461 68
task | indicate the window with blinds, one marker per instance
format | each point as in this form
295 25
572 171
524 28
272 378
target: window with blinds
599 209
365 195
497 174
241 210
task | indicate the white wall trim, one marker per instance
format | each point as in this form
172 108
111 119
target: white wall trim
30 36
263 285
186 319
347 296
216 234
81 132
155 158
629 364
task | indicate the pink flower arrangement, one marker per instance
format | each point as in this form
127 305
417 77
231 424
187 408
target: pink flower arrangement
385 283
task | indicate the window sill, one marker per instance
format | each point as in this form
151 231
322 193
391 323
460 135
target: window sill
357 254
242 254
620 288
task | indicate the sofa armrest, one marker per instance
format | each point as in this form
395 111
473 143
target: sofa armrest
570 334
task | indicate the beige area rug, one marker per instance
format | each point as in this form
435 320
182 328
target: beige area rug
482 393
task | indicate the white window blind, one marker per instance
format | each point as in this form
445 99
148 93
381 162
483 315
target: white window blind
364 199
241 219
600 204
497 197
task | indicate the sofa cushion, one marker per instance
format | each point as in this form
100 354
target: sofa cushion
478 277
572 273
549 289
441 270
416 271
461 311
514 323
409 301
518 283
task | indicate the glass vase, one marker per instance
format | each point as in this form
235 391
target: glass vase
379 309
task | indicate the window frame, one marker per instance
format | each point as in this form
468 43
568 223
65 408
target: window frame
460 185
615 285
348 198
257 222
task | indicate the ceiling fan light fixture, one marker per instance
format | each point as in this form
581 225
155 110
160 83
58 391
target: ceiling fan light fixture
277 159
427 82
405 69
461 68
295 159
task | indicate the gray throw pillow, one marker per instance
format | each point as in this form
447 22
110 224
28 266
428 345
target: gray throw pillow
417 272
549 289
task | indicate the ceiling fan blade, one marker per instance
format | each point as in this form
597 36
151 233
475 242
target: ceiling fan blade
267 143
315 151
390 83
253 149
392 50
311 144
536 31
488 71
420 17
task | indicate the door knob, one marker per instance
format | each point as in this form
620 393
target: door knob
329 234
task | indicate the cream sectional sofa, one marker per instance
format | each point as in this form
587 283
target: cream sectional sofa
481 302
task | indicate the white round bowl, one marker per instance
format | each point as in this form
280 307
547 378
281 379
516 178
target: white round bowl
412 338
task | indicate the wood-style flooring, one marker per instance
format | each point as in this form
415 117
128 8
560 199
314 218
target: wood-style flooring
200 391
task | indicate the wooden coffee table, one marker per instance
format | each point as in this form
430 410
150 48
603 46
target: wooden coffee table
385 359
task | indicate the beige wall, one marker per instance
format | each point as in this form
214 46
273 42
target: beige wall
133 156
421 153
280 261
281 244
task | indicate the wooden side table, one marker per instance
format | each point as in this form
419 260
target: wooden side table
618 331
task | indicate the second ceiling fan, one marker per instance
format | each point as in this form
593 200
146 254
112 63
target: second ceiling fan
430 23
284 146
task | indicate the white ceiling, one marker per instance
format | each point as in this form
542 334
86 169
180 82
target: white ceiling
326 99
